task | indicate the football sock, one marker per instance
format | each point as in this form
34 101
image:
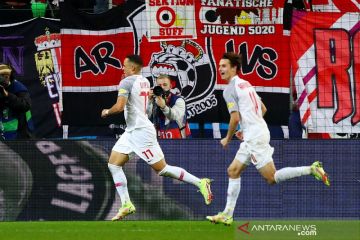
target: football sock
291 172
120 182
180 174
232 195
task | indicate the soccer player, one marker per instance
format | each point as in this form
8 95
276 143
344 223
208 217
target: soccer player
140 137
245 107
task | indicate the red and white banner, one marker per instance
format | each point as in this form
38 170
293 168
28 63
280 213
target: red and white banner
93 51
325 54
253 29
335 5
170 20
94 58
93 48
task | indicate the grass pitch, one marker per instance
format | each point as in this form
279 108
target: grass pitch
179 230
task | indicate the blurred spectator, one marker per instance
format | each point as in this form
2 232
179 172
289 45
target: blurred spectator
15 106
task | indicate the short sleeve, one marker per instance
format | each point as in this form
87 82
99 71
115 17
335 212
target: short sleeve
231 100
125 87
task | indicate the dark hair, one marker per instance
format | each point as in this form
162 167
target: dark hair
135 59
234 58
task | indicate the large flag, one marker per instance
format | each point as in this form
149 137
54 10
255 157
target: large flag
255 32
33 50
325 54
93 48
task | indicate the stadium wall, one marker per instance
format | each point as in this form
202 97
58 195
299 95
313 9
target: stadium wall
69 180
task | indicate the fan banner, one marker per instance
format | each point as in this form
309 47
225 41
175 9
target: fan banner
94 52
326 70
254 30
93 55
170 20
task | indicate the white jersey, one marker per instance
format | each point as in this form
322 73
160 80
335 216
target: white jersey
241 96
136 88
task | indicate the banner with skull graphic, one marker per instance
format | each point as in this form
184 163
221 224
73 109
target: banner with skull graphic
253 31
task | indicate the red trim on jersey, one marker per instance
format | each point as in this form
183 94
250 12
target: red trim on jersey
253 158
181 175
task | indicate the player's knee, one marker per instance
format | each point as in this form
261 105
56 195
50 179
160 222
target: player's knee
233 172
271 180
164 171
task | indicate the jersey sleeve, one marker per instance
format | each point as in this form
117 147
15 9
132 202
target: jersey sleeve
125 87
231 100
